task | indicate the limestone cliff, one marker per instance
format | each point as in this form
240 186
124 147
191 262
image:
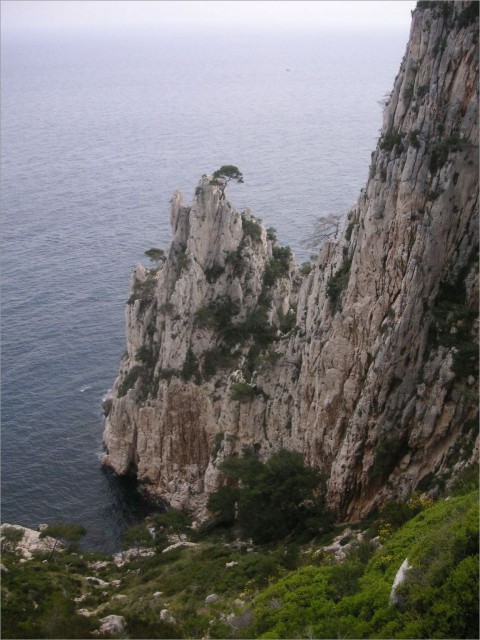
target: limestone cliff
367 365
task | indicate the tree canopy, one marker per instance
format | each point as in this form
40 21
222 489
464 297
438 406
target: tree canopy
228 172
156 255
270 500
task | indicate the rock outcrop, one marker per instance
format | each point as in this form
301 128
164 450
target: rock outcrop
368 364
26 542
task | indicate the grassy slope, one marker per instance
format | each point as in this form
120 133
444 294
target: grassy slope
286 591
438 600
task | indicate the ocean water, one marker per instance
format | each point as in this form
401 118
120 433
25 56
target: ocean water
96 134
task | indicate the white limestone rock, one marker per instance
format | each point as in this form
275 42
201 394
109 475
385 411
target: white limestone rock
360 371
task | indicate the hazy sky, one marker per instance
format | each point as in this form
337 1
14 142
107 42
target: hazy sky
35 15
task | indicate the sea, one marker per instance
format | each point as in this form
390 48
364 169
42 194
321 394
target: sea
97 132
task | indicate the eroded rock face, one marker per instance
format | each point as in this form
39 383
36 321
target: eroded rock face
375 378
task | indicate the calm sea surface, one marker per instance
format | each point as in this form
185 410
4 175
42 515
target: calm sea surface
96 135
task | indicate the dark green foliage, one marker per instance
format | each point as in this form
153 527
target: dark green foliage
29 613
156 255
441 150
337 283
137 536
348 232
235 259
272 234
217 314
218 358
213 273
107 405
413 139
219 437
465 360
408 92
67 531
143 289
452 325
422 91
288 321
142 626
242 392
228 172
251 228
145 355
10 538
390 140
222 504
305 268
278 266
469 15
434 194
129 380
388 453
273 500
439 599
174 520
182 261
190 368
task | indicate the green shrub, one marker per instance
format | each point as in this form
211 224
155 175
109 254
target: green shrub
190 367
270 500
213 273
413 139
389 451
391 140
236 260
442 149
10 538
251 228
174 520
242 391
278 266
129 380
137 536
469 15
337 283
107 405
306 268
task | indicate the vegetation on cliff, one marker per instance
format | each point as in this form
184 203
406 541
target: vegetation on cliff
178 582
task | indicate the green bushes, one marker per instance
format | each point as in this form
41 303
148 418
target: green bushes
270 500
388 453
190 368
144 289
452 325
218 314
278 266
251 228
439 598
413 140
213 273
442 149
337 283
129 380
391 140
241 392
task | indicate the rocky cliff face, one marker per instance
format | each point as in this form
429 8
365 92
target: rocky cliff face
368 364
